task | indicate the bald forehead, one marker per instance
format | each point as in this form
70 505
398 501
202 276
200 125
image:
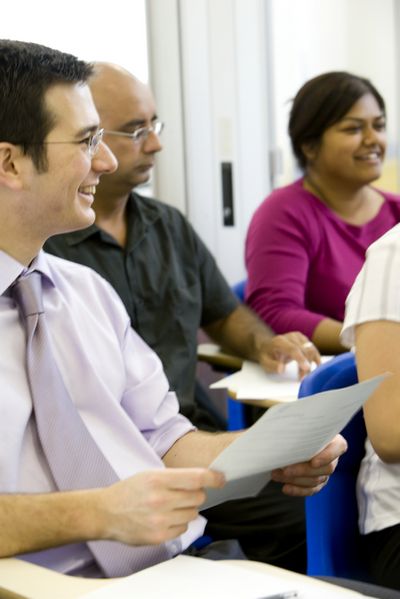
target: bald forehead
107 75
114 89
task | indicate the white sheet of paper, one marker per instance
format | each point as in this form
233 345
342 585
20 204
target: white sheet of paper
195 578
252 382
286 434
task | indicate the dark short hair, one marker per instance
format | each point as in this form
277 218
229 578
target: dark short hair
27 71
321 103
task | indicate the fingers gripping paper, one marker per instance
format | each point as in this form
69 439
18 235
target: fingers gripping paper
286 434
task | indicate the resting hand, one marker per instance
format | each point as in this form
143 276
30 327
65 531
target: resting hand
274 353
155 506
308 478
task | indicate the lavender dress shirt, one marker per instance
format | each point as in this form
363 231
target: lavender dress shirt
114 378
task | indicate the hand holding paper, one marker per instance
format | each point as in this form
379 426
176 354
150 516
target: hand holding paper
286 434
311 476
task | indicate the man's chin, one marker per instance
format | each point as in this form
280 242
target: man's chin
84 222
142 177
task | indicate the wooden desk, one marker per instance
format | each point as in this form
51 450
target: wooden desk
22 580
213 355
252 385
293 579
259 403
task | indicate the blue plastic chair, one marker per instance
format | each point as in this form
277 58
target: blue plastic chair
239 289
236 410
333 540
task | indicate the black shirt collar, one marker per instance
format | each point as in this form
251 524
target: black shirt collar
141 214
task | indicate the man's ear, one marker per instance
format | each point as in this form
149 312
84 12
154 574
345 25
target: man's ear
11 159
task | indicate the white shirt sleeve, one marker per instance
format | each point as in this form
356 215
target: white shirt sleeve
375 294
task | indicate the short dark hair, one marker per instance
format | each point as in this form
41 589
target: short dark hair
27 71
322 102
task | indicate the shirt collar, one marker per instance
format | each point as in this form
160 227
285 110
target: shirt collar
11 269
75 237
141 214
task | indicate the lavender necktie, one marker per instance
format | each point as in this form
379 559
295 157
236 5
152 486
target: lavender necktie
75 460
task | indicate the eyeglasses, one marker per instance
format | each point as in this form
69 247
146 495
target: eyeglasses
92 142
141 134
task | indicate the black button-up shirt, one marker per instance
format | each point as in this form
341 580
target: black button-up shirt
166 277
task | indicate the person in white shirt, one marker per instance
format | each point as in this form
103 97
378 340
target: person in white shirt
372 325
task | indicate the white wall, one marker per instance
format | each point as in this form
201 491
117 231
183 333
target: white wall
223 76
91 29
234 67
165 78
313 36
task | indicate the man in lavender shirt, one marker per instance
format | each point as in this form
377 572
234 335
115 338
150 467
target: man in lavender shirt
51 158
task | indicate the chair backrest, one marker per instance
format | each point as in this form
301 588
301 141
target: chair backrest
239 289
333 540
237 411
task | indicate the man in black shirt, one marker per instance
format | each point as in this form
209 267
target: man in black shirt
171 286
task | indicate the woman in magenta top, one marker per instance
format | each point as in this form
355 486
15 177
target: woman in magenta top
306 242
